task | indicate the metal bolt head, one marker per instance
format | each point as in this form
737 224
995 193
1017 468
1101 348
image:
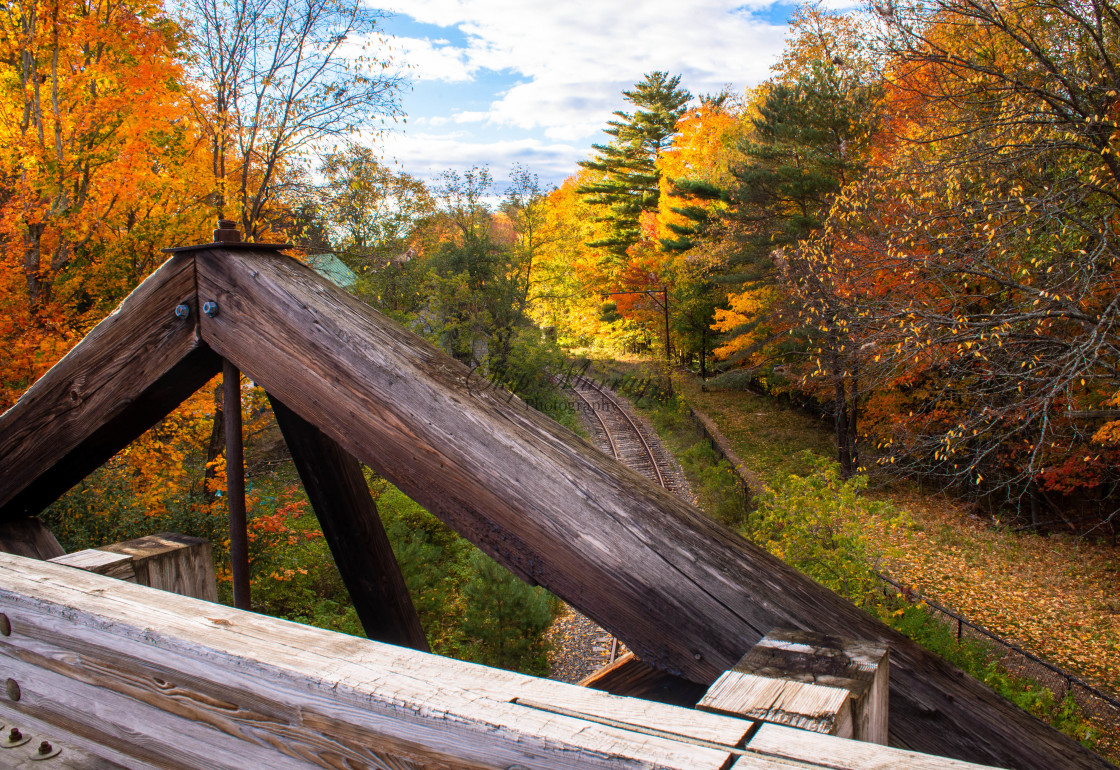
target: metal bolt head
11 687
182 311
210 308
15 734
5 625
45 748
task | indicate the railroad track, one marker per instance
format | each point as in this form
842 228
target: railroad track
618 433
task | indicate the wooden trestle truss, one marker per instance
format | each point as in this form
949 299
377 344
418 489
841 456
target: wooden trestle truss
686 594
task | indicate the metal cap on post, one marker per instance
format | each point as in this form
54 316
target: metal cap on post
228 236
227 232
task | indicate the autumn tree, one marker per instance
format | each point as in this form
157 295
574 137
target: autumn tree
96 164
372 212
524 205
1003 183
283 79
628 182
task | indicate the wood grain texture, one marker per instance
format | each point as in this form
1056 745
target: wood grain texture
353 530
801 745
803 705
171 562
27 536
170 681
685 593
130 371
70 757
811 665
630 677
114 565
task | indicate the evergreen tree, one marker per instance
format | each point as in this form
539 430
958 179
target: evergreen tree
629 176
805 145
504 618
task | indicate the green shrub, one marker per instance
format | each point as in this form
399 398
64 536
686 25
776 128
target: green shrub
812 522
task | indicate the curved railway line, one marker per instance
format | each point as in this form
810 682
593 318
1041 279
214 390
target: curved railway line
624 437
627 440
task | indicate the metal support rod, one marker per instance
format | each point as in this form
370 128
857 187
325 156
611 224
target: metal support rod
235 486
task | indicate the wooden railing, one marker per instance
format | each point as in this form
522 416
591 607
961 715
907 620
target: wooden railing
143 678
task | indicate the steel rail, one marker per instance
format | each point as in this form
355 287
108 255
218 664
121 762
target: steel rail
633 426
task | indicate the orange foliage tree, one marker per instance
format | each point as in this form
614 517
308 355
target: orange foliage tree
96 164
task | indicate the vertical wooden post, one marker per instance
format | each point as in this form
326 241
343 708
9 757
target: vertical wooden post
816 682
348 516
235 486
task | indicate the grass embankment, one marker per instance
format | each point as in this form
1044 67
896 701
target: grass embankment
1055 596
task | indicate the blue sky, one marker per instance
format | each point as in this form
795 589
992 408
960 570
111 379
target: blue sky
499 82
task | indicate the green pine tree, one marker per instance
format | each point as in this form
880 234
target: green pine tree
629 177
805 145
504 619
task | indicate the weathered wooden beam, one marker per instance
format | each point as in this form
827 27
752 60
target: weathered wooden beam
172 562
166 680
353 530
28 536
789 743
114 565
812 681
130 371
631 678
151 679
168 561
685 593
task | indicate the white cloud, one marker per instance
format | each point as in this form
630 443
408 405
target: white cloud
591 49
434 59
470 116
426 155
571 60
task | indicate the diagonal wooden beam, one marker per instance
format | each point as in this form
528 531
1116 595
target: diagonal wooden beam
338 492
686 594
129 372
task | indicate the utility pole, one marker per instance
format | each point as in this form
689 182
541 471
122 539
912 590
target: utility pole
663 303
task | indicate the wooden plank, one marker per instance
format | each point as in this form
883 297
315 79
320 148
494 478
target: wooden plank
130 371
631 677
803 705
114 565
631 556
812 681
170 681
800 745
172 562
348 516
69 756
28 536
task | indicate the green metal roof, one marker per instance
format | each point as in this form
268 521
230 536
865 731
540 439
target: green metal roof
332 268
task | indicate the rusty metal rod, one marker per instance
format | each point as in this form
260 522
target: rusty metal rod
235 486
